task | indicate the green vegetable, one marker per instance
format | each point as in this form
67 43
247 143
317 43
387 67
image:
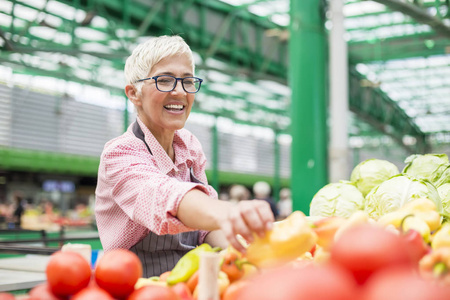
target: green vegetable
444 193
336 199
429 167
370 173
396 192
445 177
188 264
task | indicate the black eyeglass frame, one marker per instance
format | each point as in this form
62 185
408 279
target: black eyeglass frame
176 82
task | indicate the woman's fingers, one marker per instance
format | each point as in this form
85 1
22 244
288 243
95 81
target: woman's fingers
227 228
247 218
257 215
240 226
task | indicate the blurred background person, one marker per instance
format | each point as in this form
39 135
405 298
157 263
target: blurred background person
239 192
18 209
261 191
285 203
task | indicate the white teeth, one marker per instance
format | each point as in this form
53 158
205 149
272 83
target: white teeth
172 106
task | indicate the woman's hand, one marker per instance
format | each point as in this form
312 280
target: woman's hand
246 218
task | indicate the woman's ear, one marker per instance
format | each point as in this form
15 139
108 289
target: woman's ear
132 94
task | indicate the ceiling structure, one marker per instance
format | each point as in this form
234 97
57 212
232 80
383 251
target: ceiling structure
399 55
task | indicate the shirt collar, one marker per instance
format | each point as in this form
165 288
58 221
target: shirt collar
162 159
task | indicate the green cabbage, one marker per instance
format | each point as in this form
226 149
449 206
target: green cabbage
428 166
444 193
445 177
370 173
396 192
336 199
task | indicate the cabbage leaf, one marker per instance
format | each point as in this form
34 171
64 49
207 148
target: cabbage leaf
370 173
396 192
336 199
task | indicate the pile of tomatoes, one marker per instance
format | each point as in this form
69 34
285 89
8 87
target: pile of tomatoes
69 276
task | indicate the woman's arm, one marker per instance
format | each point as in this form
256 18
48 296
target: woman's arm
216 238
197 210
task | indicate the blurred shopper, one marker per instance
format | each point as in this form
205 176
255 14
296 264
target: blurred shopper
285 203
238 192
152 195
261 190
3 213
224 196
18 209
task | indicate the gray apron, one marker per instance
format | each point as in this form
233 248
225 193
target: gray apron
160 253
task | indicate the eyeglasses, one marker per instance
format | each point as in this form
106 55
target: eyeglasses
167 83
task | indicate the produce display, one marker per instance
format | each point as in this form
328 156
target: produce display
381 235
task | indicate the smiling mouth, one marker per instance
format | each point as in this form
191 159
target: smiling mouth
173 107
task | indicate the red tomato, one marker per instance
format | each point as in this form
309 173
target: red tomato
402 284
91 293
326 282
7 296
367 249
153 292
67 273
118 271
42 292
183 291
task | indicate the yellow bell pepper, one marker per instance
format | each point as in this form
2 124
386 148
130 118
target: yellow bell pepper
149 281
188 264
288 240
442 237
423 208
412 222
426 210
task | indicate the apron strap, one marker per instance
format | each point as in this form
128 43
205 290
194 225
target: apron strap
140 135
137 131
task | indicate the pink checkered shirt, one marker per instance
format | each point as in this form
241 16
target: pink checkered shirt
138 192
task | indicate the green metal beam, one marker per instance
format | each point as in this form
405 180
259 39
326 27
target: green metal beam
148 20
47 162
69 164
198 22
377 109
413 9
277 159
215 156
308 105
385 49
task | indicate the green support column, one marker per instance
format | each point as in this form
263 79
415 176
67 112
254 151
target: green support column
215 156
307 73
276 175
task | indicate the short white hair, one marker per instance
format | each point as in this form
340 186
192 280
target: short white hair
239 192
151 52
261 188
285 193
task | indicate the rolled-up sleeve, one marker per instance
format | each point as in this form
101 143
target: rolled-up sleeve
146 195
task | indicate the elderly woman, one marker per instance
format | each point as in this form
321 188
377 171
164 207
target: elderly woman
152 195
